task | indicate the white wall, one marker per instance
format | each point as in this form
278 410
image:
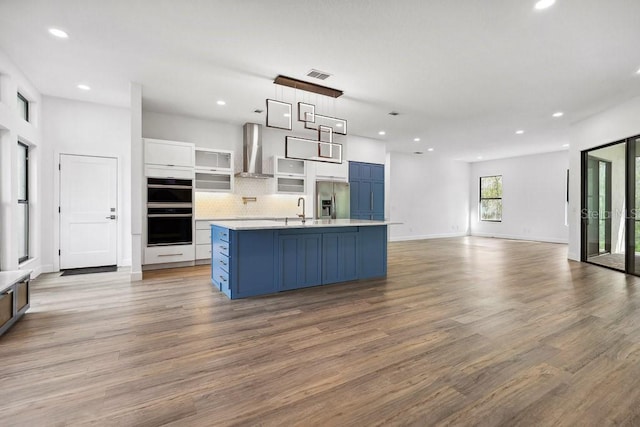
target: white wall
614 124
428 195
534 197
13 129
82 128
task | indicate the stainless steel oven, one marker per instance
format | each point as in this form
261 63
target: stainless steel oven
169 190
169 212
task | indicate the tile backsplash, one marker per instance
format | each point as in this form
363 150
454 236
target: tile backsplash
225 205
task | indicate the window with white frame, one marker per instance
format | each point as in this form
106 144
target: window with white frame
23 202
23 107
491 198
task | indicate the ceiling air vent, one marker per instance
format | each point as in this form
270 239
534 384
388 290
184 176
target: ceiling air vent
318 74
393 113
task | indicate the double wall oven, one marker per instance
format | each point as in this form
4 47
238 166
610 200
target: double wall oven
169 211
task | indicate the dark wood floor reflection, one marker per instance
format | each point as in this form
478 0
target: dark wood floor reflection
464 331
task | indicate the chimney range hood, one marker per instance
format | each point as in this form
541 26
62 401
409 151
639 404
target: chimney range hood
252 152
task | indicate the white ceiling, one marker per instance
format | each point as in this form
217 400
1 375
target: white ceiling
463 74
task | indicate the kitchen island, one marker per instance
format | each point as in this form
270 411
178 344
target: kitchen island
260 257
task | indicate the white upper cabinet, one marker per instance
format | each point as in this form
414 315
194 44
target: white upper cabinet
288 167
169 153
332 171
290 175
214 160
214 170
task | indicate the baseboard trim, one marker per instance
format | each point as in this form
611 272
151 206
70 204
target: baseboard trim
136 277
425 237
573 257
518 237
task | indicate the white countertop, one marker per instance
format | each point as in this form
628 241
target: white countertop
8 278
296 223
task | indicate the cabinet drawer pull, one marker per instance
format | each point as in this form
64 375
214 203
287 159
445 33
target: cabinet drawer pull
222 262
170 254
223 279
372 200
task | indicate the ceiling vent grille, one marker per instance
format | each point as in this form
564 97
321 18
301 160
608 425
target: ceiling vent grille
318 74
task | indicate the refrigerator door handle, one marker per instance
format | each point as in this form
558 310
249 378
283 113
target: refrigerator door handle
333 205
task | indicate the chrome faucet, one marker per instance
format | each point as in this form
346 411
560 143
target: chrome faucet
302 214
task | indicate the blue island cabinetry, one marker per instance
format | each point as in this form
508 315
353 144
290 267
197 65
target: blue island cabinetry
247 263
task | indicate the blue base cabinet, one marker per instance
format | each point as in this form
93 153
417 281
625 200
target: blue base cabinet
242 266
300 260
372 254
339 257
259 262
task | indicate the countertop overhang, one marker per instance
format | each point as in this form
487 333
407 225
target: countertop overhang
297 223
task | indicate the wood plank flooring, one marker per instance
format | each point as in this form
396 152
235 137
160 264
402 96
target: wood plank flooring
463 331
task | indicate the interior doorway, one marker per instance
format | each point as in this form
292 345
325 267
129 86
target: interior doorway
88 207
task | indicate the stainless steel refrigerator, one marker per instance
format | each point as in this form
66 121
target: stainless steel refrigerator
332 200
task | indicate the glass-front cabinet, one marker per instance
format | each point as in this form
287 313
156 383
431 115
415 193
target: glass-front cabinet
214 170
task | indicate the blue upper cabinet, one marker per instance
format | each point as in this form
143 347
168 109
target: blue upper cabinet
367 190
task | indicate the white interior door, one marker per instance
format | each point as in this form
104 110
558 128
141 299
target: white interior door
88 221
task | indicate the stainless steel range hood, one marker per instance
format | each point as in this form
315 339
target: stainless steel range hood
252 152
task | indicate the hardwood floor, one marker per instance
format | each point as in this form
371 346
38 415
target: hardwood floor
464 331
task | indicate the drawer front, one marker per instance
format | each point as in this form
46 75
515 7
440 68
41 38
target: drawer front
221 262
165 254
222 248
220 277
6 307
168 172
202 225
220 234
203 237
22 292
203 251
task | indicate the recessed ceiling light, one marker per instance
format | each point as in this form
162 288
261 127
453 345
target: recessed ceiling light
543 4
479 157
429 149
221 102
638 72
565 145
58 33
84 87
416 139
558 114
287 115
382 132
338 125
519 132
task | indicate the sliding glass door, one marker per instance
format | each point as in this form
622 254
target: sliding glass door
611 206
633 218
